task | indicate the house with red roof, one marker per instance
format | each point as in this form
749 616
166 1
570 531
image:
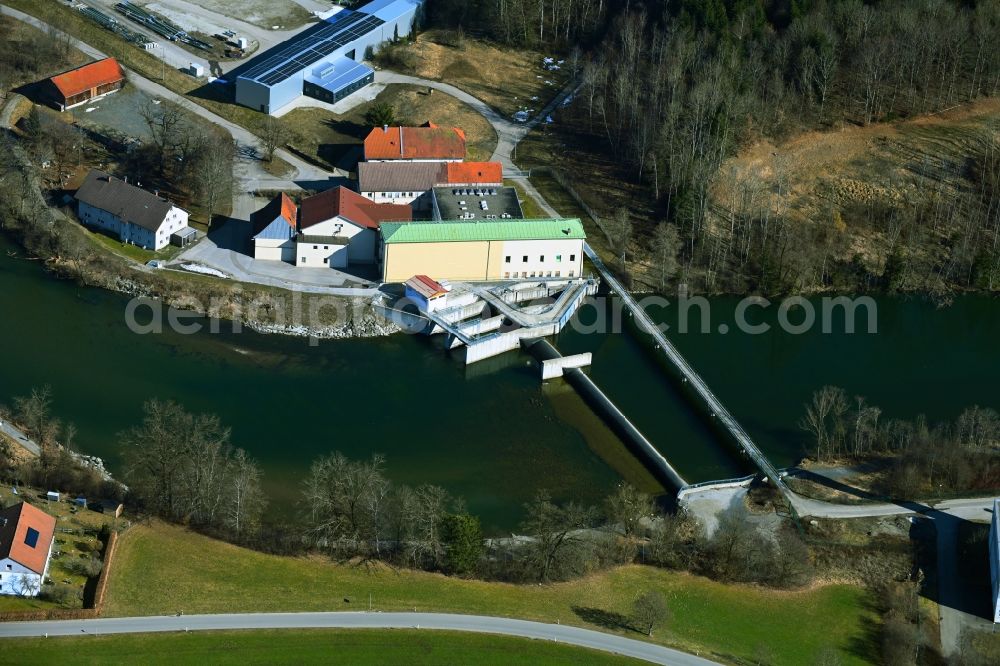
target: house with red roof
429 143
331 229
83 84
26 538
411 182
340 227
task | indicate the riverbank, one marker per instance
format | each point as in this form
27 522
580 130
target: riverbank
69 251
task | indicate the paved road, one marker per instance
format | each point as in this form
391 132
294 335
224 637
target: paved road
586 638
20 438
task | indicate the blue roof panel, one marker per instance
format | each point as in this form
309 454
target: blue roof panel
277 230
334 76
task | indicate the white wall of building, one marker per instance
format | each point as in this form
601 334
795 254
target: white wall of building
272 249
320 255
361 249
131 233
18 580
542 258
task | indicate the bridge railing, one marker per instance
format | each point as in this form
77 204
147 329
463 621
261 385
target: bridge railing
718 409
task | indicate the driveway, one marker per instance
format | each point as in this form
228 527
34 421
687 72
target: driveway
585 638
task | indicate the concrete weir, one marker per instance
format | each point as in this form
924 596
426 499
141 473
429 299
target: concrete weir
544 353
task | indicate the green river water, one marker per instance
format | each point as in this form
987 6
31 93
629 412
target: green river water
490 433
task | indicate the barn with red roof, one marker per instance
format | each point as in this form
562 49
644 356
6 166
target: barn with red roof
83 84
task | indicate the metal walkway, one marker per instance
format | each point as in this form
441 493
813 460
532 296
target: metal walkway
716 407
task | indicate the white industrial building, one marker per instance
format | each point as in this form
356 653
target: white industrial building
26 538
131 213
324 62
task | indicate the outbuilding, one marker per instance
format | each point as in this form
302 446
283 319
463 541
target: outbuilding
427 293
83 84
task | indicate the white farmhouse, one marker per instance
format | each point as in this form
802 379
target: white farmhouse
26 538
131 213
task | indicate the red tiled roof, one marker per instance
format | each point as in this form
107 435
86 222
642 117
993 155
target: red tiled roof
412 143
425 286
460 173
84 78
20 518
280 206
350 205
288 209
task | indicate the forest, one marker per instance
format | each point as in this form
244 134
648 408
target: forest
671 89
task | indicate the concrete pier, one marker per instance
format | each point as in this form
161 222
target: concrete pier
654 461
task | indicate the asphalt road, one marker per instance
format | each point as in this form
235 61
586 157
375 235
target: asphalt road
586 638
20 438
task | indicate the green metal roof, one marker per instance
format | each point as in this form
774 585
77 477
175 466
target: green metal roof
481 230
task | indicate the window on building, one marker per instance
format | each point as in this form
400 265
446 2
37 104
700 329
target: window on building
558 257
548 274
506 259
326 247
572 257
524 259
558 273
303 260
325 260
571 273
541 258
315 247
31 537
524 274
506 275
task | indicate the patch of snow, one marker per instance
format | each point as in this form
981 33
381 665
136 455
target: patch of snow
548 120
204 270
534 98
521 116
91 108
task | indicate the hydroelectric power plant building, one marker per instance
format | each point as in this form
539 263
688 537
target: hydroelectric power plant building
324 62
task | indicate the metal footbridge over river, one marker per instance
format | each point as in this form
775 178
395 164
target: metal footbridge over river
677 360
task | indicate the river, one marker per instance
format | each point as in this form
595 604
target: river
490 433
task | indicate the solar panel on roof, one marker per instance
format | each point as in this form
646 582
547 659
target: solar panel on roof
31 538
345 28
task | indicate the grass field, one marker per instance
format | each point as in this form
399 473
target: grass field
507 79
731 622
306 646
